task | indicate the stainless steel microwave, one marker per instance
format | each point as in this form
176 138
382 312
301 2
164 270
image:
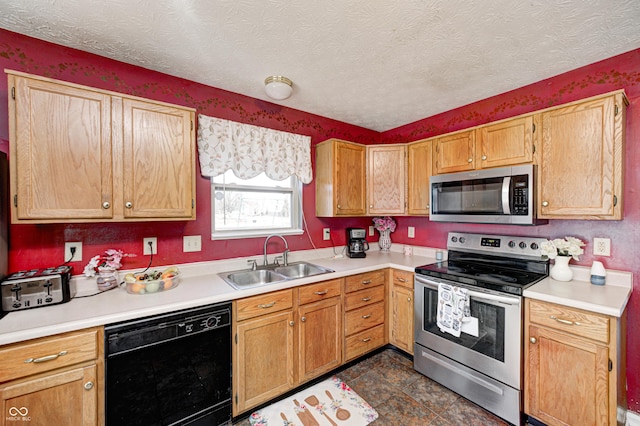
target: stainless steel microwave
502 195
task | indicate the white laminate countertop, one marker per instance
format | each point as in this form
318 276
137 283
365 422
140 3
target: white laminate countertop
200 285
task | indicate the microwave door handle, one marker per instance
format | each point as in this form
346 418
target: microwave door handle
506 186
433 285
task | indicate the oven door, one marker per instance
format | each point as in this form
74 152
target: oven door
494 349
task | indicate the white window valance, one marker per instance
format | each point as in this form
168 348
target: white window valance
250 150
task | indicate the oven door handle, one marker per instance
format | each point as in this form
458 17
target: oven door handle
475 294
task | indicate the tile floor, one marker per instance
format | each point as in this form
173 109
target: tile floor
404 397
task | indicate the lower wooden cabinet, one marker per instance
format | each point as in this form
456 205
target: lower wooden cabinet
55 380
574 365
283 339
365 311
401 310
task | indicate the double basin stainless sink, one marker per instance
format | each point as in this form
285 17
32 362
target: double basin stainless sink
244 279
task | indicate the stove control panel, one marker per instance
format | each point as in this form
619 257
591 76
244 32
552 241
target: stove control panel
496 244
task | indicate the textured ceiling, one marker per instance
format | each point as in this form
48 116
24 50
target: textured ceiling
373 63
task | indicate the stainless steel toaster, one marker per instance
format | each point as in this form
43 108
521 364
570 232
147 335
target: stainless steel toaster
36 287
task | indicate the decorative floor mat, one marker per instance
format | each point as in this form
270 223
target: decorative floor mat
331 403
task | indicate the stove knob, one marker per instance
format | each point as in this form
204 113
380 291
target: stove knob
534 246
454 239
523 245
512 244
462 240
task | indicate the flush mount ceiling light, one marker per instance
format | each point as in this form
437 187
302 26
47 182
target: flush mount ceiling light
278 87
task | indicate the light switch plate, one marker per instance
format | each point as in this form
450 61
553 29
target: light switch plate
191 243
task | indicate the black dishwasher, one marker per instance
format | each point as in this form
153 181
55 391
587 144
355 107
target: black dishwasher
171 369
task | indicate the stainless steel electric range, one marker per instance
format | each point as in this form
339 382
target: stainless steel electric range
480 358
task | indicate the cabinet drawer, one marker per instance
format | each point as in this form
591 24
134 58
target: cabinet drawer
263 304
363 318
49 353
402 278
314 292
364 342
570 320
364 297
366 280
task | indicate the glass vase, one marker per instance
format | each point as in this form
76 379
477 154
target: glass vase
560 271
107 278
385 240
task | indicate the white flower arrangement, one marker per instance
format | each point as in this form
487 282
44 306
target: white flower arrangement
567 246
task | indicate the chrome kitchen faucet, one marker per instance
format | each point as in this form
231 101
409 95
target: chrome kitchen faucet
284 253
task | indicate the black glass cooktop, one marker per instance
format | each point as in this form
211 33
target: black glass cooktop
507 275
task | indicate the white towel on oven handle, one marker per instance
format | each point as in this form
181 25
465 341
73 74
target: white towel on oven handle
453 307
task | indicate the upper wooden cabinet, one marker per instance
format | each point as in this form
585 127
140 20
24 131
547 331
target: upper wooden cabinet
455 152
581 167
80 154
386 179
340 179
419 160
503 143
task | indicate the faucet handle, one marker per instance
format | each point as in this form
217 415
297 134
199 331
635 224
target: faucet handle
277 259
253 263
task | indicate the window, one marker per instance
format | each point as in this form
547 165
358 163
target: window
255 207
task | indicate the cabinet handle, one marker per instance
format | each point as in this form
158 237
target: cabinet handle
303 319
564 321
106 205
545 203
366 299
128 204
365 282
267 305
339 206
533 340
367 339
470 160
408 299
320 293
88 385
45 358
402 280
484 157
291 323
366 316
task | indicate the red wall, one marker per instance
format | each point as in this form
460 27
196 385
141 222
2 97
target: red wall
42 245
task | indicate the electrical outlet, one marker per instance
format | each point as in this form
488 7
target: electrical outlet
191 243
326 234
146 250
411 232
76 256
371 231
601 247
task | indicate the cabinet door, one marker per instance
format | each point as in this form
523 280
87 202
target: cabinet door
319 338
506 143
158 161
566 379
402 318
60 152
349 179
262 359
419 171
386 177
64 398
455 153
580 173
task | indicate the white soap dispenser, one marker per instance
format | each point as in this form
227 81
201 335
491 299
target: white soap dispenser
598 273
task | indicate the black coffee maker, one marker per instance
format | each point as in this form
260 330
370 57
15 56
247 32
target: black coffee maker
356 243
